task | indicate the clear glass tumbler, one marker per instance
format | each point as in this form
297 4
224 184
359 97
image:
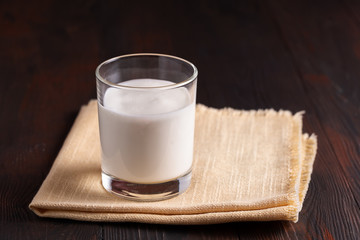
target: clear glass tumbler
146 105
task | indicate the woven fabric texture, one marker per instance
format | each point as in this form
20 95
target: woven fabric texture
248 166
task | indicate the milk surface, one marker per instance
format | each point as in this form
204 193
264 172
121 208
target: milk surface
147 136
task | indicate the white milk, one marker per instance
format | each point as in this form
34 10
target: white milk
147 136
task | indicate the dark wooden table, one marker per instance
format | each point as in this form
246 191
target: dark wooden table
295 55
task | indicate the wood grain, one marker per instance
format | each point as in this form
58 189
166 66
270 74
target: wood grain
295 55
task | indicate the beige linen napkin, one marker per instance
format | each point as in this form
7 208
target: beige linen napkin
248 166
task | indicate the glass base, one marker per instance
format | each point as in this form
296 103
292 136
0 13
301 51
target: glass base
146 192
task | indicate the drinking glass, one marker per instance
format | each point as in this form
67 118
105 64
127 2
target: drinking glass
146 110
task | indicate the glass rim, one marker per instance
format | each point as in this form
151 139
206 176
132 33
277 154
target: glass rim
170 86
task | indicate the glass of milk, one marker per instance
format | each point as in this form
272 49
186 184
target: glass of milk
146 105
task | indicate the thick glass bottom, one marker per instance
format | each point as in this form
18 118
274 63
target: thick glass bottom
146 192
